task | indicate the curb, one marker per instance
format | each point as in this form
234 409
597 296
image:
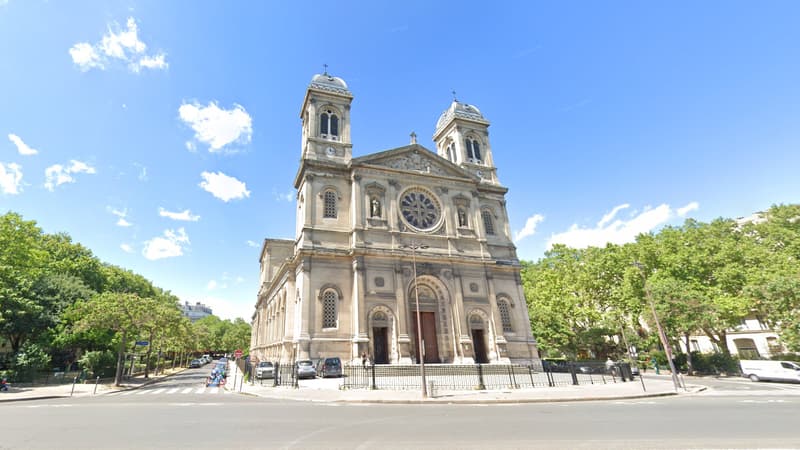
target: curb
439 401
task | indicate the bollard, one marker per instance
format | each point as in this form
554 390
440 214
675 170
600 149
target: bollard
74 380
373 378
96 382
431 389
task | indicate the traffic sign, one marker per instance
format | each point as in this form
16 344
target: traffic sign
142 342
237 353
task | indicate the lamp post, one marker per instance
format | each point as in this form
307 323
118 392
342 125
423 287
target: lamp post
414 246
661 334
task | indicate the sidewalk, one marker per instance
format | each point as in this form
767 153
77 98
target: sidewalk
327 390
24 392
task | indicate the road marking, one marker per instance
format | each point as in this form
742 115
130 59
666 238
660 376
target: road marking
128 393
143 392
172 391
200 390
762 401
157 391
187 390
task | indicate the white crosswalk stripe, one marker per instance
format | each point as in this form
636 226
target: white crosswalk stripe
187 390
157 391
172 391
200 390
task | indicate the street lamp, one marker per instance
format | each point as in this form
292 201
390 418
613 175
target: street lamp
661 334
414 246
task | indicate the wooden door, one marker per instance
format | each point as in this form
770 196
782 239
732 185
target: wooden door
380 348
479 342
431 345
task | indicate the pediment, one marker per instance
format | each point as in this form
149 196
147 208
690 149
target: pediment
414 158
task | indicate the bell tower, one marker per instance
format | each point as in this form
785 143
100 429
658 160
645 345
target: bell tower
326 120
462 137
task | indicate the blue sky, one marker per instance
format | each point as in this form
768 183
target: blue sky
165 135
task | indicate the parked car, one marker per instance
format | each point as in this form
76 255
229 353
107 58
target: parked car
329 367
195 363
758 370
305 369
265 369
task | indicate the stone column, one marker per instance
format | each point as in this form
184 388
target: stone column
462 324
359 310
499 345
403 338
308 313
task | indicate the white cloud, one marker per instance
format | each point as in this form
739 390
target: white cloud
286 197
154 62
191 146
252 243
117 46
169 245
692 206
185 215
126 248
239 280
122 215
86 57
223 187
22 148
10 178
215 126
211 285
530 227
57 174
616 231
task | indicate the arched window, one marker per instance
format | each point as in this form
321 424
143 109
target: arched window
329 210
505 315
473 150
329 124
488 223
329 316
451 152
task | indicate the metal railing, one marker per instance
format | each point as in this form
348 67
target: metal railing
483 376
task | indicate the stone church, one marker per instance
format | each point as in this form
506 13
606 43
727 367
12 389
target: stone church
392 247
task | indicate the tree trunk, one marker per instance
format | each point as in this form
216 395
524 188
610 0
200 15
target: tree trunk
120 359
689 366
147 361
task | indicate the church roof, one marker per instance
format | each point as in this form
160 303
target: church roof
462 111
326 82
414 158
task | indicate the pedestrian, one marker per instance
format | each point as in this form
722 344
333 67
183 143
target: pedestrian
3 384
364 359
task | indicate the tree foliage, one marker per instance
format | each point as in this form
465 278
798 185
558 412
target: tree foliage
701 278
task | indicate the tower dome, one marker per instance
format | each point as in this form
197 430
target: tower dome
460 110
327 82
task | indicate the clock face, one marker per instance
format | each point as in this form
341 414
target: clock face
420 209
479 173
330 151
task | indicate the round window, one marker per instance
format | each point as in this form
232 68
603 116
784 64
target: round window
420 209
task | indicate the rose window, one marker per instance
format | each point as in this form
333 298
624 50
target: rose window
420 209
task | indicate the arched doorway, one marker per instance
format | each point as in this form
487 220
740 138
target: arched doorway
478 335
427 316
380 338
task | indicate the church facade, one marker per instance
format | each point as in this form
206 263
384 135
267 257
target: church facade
392 247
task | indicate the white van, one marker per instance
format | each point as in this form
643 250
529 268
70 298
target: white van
758 370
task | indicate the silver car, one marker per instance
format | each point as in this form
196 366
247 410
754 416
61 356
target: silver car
265 369
305 369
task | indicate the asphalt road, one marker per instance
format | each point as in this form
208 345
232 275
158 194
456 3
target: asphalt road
182 413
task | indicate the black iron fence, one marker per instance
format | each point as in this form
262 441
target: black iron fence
467 376
484 376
